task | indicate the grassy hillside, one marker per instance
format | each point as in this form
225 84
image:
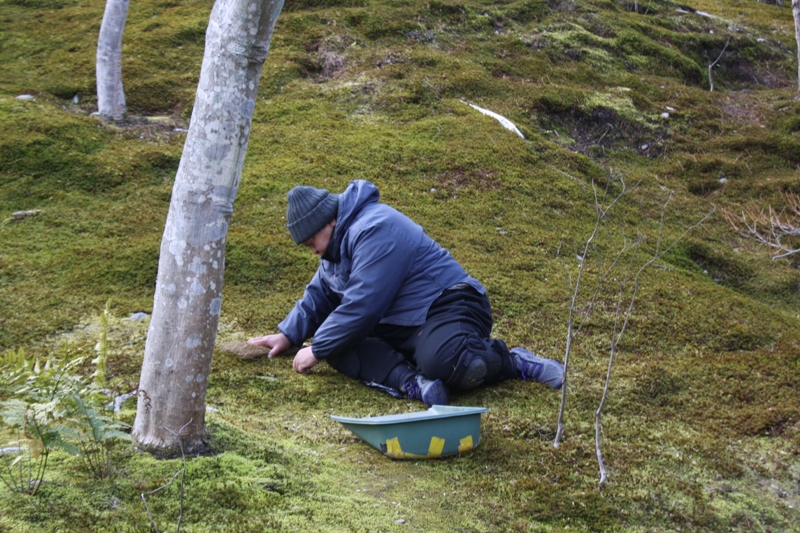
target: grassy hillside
701 426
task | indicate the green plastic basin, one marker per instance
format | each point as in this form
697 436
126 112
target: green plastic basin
440 431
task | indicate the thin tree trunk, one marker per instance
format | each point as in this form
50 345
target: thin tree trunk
188 296
110 95
796 14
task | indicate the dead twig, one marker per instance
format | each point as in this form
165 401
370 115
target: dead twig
775 228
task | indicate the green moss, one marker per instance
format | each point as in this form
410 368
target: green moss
527 11
301 5
700 428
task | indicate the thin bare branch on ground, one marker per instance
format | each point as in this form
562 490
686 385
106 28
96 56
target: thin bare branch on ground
778 229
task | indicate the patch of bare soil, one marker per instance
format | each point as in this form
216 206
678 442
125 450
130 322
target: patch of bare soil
604 130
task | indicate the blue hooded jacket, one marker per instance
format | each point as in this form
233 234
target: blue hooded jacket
380 267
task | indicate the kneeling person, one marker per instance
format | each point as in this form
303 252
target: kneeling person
389 306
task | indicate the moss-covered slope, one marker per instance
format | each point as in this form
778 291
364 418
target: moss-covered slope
701 426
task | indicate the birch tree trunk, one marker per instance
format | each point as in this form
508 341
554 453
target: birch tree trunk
796 14
108 66
188 296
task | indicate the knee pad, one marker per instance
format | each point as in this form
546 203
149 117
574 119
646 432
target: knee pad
474 374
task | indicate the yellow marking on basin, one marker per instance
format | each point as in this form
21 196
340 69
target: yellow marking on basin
465 444
436 447
393 447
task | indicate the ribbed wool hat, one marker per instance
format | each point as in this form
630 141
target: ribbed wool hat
309 210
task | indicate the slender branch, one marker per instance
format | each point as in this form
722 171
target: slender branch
710 80
599 284
14 484
42 462
600 215
21 467
150 516
30 471
182 472
614 343
11 476
40 472
617 336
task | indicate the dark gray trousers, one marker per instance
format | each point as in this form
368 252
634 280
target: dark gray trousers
452 345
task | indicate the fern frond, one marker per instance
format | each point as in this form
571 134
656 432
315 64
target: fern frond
102 348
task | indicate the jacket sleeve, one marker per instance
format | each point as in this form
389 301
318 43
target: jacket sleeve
381 259
308 313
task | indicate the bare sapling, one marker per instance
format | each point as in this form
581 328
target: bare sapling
778 229
712 65
623 314
572 331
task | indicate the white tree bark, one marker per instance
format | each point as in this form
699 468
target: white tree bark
796 13
110 95
188 296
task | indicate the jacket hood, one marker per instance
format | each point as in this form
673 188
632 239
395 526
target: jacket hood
357 194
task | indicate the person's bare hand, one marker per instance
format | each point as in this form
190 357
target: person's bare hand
304 360
277 343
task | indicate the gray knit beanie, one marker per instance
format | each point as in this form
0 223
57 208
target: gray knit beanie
309 211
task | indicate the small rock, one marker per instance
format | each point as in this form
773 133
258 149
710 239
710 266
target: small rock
664 115
399 521
19 215
138 316
645 146
26 97
76 99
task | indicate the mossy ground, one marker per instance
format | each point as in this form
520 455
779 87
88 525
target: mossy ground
701 429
